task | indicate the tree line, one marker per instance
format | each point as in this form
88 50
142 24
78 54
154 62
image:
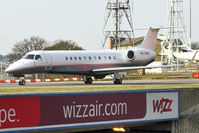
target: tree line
38 43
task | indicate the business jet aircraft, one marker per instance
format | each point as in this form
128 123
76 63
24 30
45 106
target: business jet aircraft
95 64
186 54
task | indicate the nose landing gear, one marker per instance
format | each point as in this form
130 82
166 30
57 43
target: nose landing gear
22 81
117 81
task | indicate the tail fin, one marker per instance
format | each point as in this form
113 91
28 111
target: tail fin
150 39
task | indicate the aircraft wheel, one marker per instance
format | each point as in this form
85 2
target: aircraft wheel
88 81
117 81
22 82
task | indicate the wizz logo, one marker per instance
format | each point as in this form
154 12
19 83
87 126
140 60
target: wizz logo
163 105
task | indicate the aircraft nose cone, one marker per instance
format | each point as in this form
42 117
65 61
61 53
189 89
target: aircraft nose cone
15 67
8 69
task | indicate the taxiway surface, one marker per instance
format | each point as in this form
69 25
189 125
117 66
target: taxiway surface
102 83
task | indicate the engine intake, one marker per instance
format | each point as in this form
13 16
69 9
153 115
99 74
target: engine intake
131 55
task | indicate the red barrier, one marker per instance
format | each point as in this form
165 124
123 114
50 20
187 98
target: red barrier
52 80
42 80
79 79
70 79
12 81
195 75
2 81
61 79
32 80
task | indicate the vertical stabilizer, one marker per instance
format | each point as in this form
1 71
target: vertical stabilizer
150 39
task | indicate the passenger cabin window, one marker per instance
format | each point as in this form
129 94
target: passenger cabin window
80 58
37 57
109 57
89 58
99 57
75 58
30 56
71 58
66 58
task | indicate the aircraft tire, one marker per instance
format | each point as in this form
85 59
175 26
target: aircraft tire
21 82
117 81
88 81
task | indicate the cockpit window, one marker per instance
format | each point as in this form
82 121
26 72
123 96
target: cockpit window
30 56
37 57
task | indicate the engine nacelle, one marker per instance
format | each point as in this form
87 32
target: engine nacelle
99 76
130 55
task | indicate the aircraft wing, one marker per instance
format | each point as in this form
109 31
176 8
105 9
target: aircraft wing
122 69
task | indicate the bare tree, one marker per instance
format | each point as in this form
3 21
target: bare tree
25 46
64 45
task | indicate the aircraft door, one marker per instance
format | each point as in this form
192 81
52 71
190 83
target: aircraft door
38 60
48 64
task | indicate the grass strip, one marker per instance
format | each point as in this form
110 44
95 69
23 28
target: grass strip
14 91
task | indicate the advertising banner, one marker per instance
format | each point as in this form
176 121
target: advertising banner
80 110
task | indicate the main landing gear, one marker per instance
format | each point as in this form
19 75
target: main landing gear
117 79
88 80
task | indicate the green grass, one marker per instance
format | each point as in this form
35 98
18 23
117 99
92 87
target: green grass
87 89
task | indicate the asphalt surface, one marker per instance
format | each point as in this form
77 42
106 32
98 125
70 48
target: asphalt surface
102 83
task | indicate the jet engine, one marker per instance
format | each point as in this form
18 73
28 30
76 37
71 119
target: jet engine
130 55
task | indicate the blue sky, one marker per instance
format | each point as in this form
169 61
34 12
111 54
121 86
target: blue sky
77 20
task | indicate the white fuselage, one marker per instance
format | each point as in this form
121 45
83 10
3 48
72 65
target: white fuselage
186 56
79 62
